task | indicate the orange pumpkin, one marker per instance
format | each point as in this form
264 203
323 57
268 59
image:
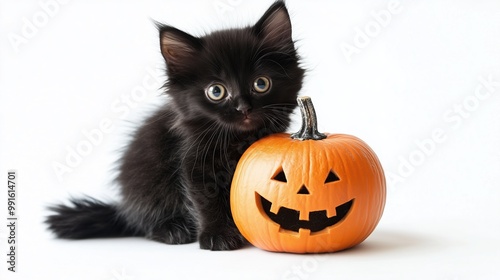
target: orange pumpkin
307 193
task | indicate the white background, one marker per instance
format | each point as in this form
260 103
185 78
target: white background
67 68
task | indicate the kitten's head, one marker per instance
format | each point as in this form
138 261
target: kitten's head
243 79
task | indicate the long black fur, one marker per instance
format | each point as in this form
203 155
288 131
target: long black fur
89 218
175 175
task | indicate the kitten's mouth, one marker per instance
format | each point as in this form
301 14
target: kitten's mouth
246 120
245 123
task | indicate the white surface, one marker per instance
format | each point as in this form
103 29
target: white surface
442 217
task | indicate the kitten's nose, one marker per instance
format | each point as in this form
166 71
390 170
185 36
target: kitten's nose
244 108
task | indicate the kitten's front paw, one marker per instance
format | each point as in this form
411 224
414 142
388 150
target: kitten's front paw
221 241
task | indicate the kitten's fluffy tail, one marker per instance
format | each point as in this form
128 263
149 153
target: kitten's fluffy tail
88 218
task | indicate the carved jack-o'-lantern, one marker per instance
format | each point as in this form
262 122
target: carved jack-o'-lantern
307 193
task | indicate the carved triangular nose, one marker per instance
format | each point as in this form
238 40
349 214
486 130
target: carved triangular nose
303 190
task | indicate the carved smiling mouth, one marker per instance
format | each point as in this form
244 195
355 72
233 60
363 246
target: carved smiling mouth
288 219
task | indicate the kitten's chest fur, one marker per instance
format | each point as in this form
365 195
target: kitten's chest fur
211 155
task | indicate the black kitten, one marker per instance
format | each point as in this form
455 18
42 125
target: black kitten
227 90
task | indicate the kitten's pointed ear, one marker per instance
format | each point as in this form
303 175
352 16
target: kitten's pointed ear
176 45
275 27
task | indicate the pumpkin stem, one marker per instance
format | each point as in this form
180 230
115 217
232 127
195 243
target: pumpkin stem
309 128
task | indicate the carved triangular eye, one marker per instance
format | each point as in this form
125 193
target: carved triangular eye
280 177
332 177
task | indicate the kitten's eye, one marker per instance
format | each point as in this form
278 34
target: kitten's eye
216 92
262 84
